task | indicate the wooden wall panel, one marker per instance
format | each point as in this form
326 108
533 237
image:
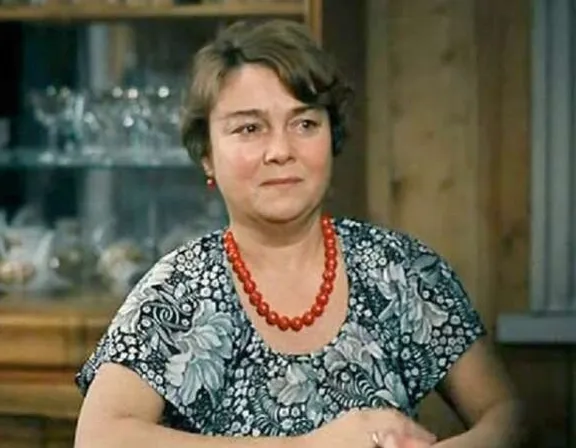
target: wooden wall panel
432 101
448 150
379 160
424 140
449 162
513 250
343 36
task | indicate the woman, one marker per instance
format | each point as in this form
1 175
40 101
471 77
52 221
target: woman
289 327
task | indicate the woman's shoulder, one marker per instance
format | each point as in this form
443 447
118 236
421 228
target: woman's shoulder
205 248
177 307
364 238
377 250
177 279
190 258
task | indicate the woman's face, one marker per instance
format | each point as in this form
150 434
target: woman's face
271 155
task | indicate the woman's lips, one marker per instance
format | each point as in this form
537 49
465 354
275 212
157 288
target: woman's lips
281 181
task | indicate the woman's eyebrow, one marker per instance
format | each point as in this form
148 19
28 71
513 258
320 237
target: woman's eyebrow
260 113
240 113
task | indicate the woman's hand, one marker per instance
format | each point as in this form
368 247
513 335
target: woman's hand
371 429
394 441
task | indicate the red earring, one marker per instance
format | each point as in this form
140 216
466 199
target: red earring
210 182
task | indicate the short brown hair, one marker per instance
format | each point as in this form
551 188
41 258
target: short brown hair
281 45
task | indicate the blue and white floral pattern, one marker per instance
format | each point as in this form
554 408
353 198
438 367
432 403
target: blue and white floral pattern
183 331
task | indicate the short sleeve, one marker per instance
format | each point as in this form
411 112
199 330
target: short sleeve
138 335
438 322
175 331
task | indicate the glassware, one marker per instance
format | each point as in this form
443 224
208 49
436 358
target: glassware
70 259
71 115
47 106
164 103
120 125
121 266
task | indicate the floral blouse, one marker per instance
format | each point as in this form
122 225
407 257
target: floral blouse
184 332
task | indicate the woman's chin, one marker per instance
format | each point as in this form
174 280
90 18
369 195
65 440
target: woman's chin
282 215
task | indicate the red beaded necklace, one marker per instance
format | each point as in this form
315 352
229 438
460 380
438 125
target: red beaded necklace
284 323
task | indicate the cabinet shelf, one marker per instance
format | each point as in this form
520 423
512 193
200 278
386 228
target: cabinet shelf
92 12
44 342
31 158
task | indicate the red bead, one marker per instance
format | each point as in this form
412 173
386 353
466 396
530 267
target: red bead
326 288
308 318
330 242
233 257
283 323
263 308
296 323
249 286
255 298
272 318
322 299
243 274
317 310
329 275
238 266
330 264
330 252
329 233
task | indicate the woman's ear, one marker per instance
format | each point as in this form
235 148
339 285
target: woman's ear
208 166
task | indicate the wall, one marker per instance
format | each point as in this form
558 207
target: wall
449 161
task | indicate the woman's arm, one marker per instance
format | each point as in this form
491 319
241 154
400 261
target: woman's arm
121 410
478 388
500 427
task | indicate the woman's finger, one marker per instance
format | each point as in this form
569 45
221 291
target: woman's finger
417 431
409 442
390 441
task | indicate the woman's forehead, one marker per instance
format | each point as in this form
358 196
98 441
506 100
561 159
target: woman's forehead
255 90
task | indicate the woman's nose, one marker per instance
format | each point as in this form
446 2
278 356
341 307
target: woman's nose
279 148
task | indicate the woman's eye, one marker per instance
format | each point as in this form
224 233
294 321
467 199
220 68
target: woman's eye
307 124
247 129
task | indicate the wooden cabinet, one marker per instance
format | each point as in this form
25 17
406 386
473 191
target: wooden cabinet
42 344
90 10
43 341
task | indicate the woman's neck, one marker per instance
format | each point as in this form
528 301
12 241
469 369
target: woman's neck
286 244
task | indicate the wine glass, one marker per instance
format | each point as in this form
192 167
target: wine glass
47 105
